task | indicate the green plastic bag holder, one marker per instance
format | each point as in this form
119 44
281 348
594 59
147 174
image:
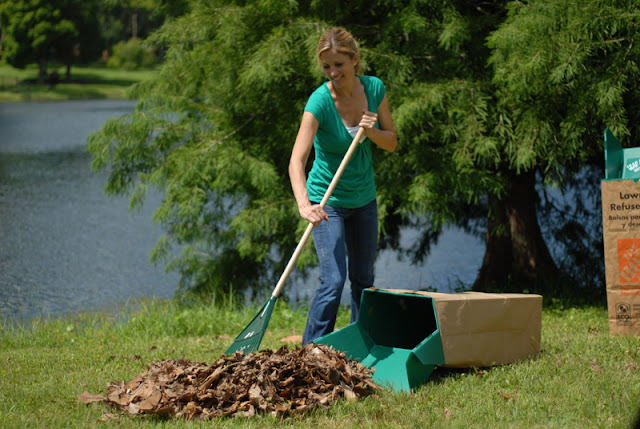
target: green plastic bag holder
397 334
620 163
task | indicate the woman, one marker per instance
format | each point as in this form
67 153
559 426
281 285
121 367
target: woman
333 114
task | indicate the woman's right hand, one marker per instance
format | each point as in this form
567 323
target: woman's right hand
314 213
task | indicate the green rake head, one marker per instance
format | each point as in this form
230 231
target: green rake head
249 340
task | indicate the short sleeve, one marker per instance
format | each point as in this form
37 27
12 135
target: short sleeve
376 89
316 104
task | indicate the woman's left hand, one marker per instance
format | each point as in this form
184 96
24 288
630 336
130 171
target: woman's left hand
368 121
384 136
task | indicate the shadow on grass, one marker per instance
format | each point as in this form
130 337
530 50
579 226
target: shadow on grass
443 373
59 92
76 90
93 79
79 93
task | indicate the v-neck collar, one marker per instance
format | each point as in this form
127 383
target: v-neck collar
335 109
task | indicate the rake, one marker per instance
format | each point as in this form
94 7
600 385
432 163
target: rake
250 338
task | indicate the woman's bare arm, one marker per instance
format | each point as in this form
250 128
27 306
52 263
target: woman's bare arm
297 163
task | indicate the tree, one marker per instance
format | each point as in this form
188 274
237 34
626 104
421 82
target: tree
210 132
87 45
39 31
563 72
121 20
479 124
509 115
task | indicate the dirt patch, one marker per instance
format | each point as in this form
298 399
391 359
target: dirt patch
275 382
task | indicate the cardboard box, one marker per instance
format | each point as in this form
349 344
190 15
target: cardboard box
621 235
406 334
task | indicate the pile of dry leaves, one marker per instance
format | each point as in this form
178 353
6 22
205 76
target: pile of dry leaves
280 382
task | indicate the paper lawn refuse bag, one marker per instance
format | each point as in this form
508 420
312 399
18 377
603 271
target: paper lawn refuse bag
621 235
483 329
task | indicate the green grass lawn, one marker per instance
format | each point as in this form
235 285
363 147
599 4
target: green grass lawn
582 378
87 83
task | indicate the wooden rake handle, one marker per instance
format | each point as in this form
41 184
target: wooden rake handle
327 195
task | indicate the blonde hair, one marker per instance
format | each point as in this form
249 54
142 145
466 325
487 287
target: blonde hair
342 41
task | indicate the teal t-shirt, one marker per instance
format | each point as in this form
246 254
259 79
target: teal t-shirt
356 187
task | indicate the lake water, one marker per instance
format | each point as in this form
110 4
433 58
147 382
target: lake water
67 247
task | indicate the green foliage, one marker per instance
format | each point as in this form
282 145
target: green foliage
132 55
39 31
209 132
30 29
478 94
121 20
72 31
564 72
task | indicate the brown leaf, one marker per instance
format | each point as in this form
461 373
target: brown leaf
142 392
215 376
348 393
106 417
594 367
88 398
292 339
281 408
250 412
447 413
505 396
371 384
190 410
134 383
151 402
255 393
287 382
117 398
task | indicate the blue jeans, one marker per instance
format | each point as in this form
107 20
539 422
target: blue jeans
352 232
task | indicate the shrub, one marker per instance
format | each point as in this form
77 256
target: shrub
131 55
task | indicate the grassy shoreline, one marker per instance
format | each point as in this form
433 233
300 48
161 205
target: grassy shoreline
583 376
87 83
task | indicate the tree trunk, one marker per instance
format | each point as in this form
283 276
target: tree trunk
42 75
516 256
134 25
68 76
